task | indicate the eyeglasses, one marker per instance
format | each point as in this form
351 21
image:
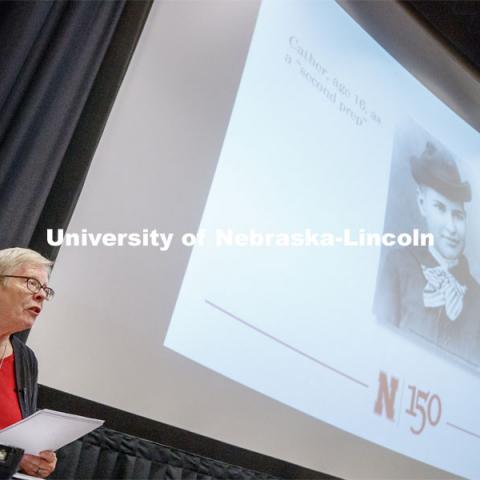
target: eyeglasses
34 285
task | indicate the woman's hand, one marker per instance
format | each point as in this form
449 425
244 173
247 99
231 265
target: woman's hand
39 466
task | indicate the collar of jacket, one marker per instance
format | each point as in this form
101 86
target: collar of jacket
26 373
461 271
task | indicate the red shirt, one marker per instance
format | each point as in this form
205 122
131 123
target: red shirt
9 406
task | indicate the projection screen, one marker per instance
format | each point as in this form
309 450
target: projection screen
244 262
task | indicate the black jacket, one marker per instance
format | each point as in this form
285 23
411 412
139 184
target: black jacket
26 375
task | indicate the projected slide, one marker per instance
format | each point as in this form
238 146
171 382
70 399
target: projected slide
336 268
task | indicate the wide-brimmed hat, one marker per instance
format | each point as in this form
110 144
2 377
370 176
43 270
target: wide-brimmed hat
438 170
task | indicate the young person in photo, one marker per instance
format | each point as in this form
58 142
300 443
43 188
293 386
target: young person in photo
429 292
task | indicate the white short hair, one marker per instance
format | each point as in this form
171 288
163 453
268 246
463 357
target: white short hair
12 258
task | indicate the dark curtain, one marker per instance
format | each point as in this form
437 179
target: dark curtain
61 64
105 454
456 22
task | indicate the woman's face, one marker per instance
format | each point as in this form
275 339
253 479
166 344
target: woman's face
19 307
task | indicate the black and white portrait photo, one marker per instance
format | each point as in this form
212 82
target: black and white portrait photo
430 292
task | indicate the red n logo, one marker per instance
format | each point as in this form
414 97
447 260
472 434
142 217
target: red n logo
386 396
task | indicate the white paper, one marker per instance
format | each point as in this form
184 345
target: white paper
22 476
47 430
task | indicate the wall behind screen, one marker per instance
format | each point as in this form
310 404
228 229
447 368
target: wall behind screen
153 170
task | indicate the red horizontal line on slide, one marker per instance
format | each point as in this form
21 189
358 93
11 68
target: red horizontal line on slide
290 347
463 430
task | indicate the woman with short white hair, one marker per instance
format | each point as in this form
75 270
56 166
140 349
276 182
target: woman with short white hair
24 277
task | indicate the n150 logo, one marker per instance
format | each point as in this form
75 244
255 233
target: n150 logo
423 405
